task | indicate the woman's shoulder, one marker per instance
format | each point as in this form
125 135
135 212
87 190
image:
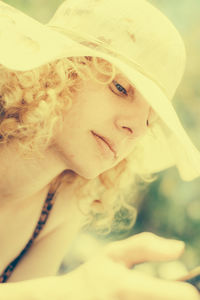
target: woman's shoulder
65 211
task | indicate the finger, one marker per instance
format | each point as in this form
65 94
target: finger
146 287
144 247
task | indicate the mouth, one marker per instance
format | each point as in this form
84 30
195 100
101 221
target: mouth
108 142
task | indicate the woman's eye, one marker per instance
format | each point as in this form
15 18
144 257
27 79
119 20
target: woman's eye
120 88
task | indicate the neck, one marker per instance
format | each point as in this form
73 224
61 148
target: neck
21 177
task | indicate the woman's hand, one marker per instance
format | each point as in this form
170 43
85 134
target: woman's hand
107 276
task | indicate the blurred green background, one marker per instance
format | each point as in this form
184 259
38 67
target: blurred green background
169 207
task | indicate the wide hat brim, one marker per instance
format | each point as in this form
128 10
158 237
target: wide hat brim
27 44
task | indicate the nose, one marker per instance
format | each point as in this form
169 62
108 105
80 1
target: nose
133 126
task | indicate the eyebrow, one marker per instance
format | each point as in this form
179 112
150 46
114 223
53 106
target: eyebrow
125 78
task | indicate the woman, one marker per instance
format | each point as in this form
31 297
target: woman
85 114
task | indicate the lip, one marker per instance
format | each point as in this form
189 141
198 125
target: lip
108 142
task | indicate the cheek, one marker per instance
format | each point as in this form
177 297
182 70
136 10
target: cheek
143 112
91 111
153 117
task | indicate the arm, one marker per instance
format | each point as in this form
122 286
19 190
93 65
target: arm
49 248
107 276
37 289
34 277
47 288
46 254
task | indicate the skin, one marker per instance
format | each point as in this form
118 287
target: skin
24 183
105 110
102 109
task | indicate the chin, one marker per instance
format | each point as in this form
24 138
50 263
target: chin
88 173
89 177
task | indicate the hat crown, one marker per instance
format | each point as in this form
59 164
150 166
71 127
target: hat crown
135 29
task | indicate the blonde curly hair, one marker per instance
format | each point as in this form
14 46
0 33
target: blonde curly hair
31 103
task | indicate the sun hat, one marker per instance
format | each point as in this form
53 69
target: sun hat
131 34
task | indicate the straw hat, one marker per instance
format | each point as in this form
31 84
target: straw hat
133 35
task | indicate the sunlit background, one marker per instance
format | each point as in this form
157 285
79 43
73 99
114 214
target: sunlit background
170 207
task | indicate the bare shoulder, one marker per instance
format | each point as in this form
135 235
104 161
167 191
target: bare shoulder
49 248
65 213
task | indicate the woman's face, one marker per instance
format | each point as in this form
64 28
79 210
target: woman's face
102 126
